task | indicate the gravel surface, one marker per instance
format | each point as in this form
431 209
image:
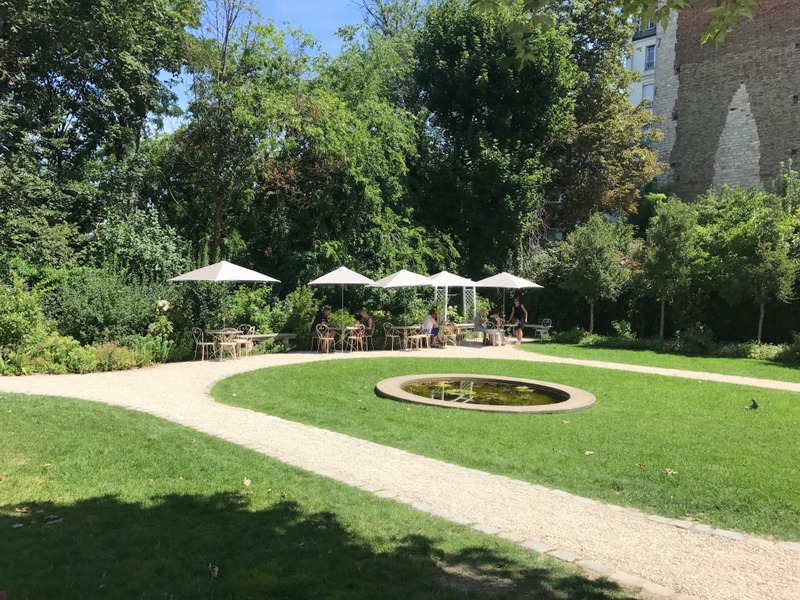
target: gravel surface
686 559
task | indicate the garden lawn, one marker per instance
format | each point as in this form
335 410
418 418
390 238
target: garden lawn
676 447
744 367
100 502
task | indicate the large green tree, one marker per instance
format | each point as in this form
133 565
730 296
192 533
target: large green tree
749 241
670 252
723 16
592 261
481 172
601 162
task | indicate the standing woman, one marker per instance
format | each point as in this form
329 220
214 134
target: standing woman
519 317
366 321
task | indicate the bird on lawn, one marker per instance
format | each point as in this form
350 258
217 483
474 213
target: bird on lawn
754 405
213 570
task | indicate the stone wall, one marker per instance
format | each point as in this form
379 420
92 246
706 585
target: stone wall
735 113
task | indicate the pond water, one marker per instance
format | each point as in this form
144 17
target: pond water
483 391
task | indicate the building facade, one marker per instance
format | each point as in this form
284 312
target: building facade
731 114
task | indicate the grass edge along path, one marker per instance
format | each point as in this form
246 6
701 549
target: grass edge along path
669 446
150 504
742 367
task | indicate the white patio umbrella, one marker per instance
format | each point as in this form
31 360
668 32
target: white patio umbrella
447 280
225 271
507 281
342 276
403 278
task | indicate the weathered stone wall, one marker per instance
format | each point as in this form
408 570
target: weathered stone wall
751 83
666 92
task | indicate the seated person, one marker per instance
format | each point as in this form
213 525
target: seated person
479 323
321 318
366 320
497 332
431 325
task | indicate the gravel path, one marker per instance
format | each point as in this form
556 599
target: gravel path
665 557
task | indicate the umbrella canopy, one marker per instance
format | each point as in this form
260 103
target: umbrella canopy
446 280
224 271
342 276
403 278
506 280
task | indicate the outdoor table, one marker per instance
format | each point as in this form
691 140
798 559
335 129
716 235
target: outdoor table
463 330
406 329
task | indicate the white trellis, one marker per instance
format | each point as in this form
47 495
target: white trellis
470 302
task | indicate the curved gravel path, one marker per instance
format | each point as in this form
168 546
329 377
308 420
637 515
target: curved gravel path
666 558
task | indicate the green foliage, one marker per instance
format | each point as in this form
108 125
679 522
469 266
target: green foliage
696 339
749 242
604 157
592 261
722 16
571 336
137 244
480 161
21 317
95 305
110 356
300 306
623 330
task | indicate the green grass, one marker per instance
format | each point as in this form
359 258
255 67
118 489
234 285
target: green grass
735 468
117 504
745 367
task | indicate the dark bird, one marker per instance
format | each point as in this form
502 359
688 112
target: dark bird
754 405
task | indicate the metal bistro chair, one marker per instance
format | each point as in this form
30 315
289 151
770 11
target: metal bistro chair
201 345
226 343
544 332
243 344
494 334
355 339
318 337
368 342
390 335
419 336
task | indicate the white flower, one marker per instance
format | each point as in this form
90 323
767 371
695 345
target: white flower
163 305
151 328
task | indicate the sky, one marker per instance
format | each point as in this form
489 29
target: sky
320 17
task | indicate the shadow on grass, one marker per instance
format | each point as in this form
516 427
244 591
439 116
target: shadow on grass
105 548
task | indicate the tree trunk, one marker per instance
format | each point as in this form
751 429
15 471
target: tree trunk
760 323
661 326
591 317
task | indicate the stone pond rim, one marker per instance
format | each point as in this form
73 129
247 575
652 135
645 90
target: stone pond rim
577 399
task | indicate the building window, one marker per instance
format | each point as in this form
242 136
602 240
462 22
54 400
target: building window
647 95
650 57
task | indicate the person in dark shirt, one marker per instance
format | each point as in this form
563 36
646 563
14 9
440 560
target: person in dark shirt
326 336
519 315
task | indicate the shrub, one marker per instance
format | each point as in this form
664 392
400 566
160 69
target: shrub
623 329
571 336
791 353
21 317
93 305
694 340
300 306
113 357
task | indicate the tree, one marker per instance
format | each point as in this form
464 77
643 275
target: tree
670 252
722 16
78 81
593 261
601 162
481 174
749 239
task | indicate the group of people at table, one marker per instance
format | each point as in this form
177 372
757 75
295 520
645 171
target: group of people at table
492 328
